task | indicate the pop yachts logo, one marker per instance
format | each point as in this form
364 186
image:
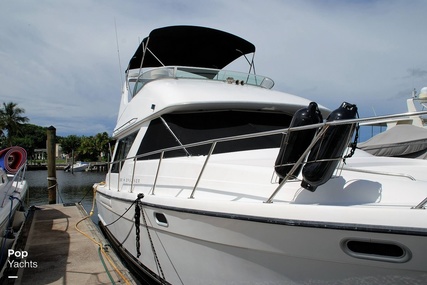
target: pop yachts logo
18 259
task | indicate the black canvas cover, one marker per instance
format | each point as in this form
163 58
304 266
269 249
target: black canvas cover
190 46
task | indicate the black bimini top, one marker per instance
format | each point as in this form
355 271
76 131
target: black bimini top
190 46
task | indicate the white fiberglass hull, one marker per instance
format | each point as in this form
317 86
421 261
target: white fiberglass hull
187 246
12 215
11 202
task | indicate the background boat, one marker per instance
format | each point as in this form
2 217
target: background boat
405 136
79 166
13 190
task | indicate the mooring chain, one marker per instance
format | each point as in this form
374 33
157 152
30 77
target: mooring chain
353 145
137 230
138 211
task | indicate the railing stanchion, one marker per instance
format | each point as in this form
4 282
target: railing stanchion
299 161
203 169
118 176
421 205
133 174
157 172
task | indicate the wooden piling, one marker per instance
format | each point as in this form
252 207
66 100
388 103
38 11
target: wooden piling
51 167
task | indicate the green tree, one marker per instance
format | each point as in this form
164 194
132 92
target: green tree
102 141
11 120
94 148
70 144
32 137
87 150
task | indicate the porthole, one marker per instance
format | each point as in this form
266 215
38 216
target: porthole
387 251
161 219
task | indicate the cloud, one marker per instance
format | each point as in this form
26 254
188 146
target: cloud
417 73
60 60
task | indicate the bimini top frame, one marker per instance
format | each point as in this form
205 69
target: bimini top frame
189 46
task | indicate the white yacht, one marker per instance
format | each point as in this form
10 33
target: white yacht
218 179
405 136
79 166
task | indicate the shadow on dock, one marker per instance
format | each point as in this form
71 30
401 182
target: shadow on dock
50 229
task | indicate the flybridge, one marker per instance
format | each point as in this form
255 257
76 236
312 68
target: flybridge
137 80
191 52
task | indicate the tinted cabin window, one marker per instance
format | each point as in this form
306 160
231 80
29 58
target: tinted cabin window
196 127
123 147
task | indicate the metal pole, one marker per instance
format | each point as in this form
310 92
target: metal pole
72 161
203 169
51 167
157 172
299 161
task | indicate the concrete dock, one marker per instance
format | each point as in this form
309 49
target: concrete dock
52 251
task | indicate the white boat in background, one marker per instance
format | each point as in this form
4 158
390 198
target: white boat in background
13 190
218 179
404 136
419 99
79 166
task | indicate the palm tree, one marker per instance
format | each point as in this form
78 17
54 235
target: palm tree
11 120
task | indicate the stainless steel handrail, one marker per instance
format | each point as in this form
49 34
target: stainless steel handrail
213 142
192 72
203 170
379 172
157 172
133 175
273 132
297 164
421 205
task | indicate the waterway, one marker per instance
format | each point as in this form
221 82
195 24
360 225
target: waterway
72 188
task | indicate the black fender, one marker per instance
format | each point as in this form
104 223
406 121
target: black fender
295 143
331 146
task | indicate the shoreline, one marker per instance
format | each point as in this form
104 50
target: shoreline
96 166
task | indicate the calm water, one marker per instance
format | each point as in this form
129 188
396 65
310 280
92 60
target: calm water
72 188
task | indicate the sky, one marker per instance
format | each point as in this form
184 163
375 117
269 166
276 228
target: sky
64 61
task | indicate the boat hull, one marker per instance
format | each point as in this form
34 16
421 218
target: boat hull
184 246
12 216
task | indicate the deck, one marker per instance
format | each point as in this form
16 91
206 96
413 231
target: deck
52 250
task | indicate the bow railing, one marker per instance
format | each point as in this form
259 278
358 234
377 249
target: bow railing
322 127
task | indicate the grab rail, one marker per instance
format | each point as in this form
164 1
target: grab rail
298 163
189 72
421 205
380 173
203 169
213 142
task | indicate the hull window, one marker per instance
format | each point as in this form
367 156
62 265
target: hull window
376 250
173 130
161 219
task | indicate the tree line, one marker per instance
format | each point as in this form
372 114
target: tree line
15 129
